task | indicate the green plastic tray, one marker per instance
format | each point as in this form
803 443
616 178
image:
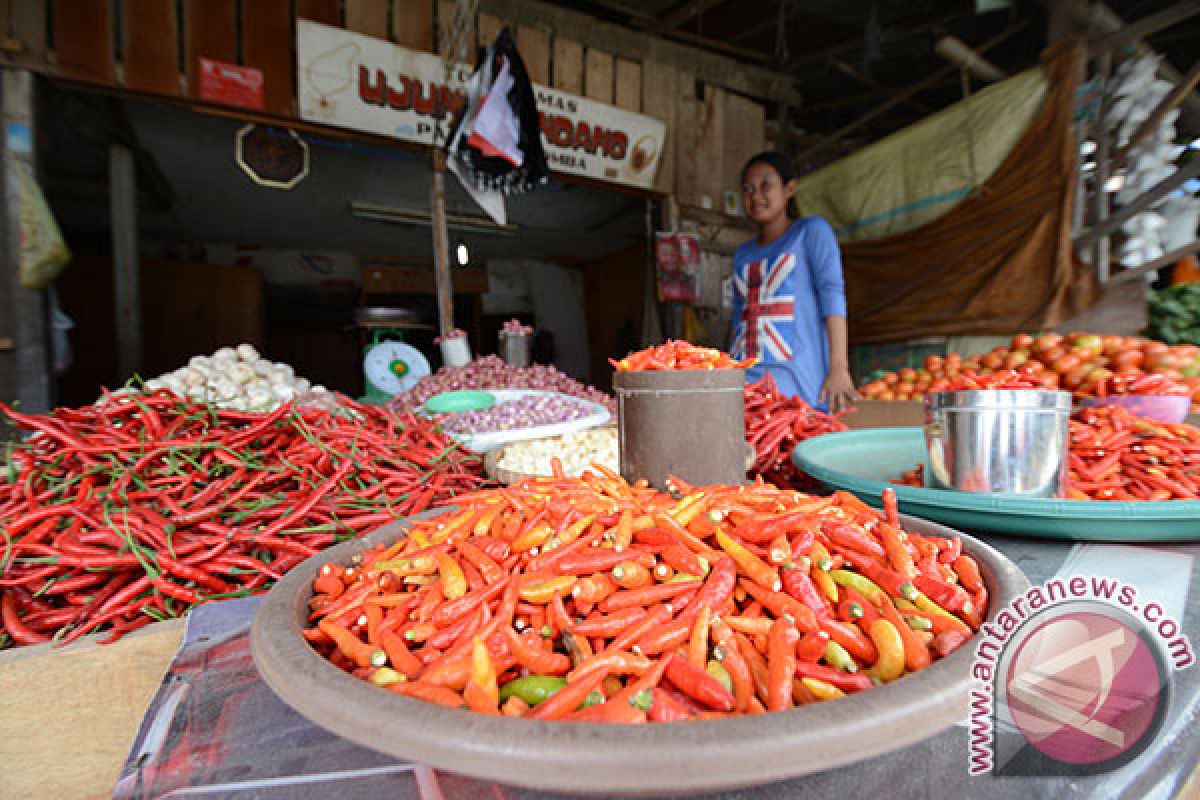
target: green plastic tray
863 461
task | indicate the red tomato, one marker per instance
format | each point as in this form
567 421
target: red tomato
1049 357
1112 344
954 358
1014 360
1067 363
1128 358
1047 341
1022 341
992 361
933 363
1151 348
907 375
891 379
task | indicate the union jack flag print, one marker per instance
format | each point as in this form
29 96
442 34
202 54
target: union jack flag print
767 314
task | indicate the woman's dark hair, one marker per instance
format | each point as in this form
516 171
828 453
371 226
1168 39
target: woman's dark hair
783 168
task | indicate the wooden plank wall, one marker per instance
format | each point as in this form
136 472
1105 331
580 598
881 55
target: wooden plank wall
706 125
151 48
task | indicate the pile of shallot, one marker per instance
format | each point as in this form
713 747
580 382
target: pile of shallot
490 372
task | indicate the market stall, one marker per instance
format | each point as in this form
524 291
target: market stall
853 631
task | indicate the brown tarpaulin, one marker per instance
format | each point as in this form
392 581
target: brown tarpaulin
999 262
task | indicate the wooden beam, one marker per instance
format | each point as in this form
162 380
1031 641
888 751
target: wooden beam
851 72
687 12
1144 27
1101 246
1150 197
1148 126
126 259
441 244
1102 21
902 95
620 41
1165 260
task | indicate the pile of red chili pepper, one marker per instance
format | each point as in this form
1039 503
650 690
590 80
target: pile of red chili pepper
911 477
1116 455
1118 383
679 354
775 424
142 506
1020 378
593 600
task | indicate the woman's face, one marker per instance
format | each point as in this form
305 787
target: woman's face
764 195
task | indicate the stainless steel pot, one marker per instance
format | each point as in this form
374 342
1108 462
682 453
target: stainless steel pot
998 441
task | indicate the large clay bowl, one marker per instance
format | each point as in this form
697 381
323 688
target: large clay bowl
653 759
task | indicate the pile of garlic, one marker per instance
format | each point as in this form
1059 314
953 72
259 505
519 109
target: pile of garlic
577 451
237 378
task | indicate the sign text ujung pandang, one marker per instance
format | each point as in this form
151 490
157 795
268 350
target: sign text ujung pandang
361 83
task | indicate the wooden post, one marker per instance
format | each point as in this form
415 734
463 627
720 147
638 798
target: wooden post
1100 250
441 244
24 350
122 191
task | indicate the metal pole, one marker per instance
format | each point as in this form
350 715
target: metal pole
441 244
122 188
24 349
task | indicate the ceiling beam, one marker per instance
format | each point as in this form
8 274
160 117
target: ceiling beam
893 34
686 12
1102 21
719 70
851 72
902 95
1146 26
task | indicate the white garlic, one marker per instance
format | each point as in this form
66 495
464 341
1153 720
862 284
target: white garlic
247 352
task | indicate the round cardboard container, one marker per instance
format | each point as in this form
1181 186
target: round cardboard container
598 759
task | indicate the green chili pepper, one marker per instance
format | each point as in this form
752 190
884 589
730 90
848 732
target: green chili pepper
837 657
918 623
533 689
860 583
385 676
643 700
594 698
717 670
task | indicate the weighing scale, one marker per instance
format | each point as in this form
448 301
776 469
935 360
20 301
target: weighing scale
390 366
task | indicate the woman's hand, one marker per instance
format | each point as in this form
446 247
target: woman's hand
838 389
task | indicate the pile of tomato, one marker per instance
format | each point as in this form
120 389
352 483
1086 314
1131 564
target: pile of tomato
1085 364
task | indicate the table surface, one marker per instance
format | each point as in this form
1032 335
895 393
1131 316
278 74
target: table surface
215 728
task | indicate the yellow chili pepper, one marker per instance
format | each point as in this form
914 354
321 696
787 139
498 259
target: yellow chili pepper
454 583
455 525
421 565
542 592
750 565
536 536
861 583
822 690
576 530
819 571
483 525
623 537
890 664
923 603
482 693
688 508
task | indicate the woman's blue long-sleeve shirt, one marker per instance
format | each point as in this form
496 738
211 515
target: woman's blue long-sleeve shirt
782 293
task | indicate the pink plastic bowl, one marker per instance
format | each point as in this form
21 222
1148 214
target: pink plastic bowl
1158 407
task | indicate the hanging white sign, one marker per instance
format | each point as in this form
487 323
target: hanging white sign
358 82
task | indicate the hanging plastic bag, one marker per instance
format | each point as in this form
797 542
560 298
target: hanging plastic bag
44 252
496 145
